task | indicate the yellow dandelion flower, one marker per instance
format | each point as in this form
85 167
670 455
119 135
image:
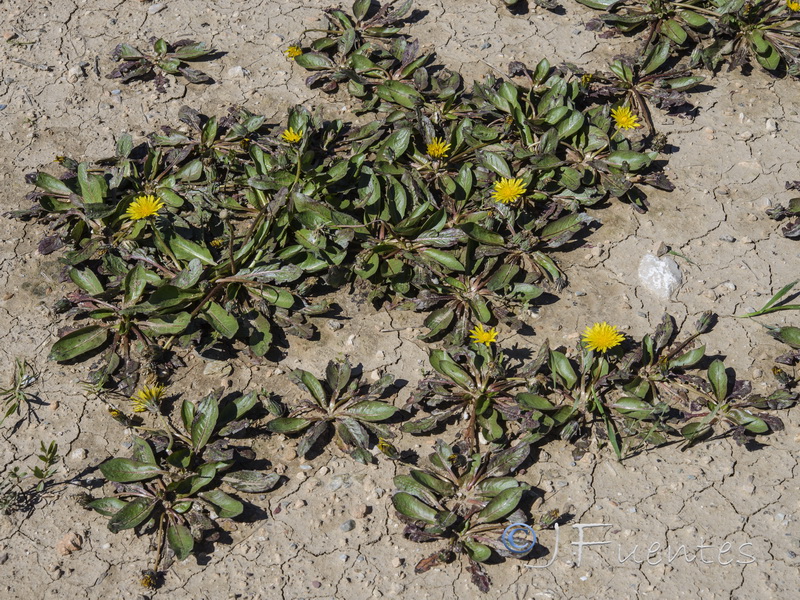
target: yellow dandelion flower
508 190
143 207
148 398
218 242
793 6
602 337
480 335
625 118
292 136
293 51
438 148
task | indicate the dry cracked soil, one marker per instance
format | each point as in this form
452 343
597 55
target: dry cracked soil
329 531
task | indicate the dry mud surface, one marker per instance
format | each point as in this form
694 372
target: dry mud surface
736 512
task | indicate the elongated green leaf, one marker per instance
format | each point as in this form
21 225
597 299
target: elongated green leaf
414 508
313 61
133 514
718 379
107 507
86 280
221 320
166 325
205 420
125 470
503 504
180 540
443 258
688 359
187 250
306 381
80 341
371 410
288 424
442 487
228 507
51 185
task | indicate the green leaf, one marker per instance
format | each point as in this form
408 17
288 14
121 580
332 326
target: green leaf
634 160
718 379
606 5
306 381
107 507
51 185
78 342
205 420
496 163
229 507
503 504
440 486
134 513
93 187
688 359
560 365
180 540
86 280
142 451
125 470
534 402
184 249
134 284
477 551
288 424
443 258
189 276
371 410
360 8
314 61
482 235
221 320
414 508
166 325
672 29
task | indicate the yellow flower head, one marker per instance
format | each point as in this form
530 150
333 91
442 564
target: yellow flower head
438 148
793 5
293 51
218 242
625 118
149 579
143 207
480 335
148 398
292 136
508 190
602 337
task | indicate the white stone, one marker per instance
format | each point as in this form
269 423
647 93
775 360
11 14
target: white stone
661 276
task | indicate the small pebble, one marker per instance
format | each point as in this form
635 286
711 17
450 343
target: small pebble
360 511
348 525
115 92
397 562
3 558
323 471
343 557
79 454
316 584
335 325
156 8
299 504
727 238
300 476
